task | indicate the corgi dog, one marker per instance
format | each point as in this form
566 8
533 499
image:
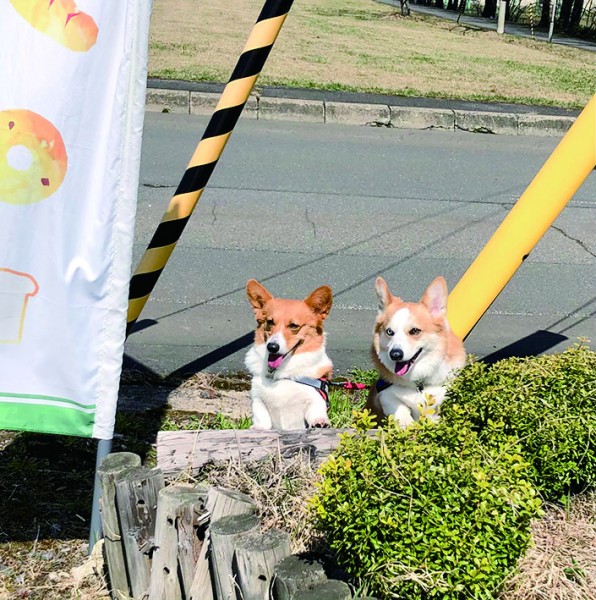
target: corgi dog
288 361
415 353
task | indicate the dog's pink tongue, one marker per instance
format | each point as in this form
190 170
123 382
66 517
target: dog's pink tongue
401 368
274 363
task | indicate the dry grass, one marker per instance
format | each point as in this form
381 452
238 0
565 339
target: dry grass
562 563
365 46
281 489
52 570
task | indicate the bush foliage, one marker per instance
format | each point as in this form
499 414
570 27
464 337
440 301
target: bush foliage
427 512
547 403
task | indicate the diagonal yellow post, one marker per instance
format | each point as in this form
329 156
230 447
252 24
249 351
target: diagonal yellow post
546 196
207 154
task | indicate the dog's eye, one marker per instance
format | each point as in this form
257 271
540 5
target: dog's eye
415 331
270 323
294 327
389 332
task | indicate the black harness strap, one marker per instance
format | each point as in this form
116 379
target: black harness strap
321 385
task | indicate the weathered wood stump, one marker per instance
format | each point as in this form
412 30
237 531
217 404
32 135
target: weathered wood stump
255 560
220 503
331 589
192 530
225 533
113 544
297 573
174 502
137 489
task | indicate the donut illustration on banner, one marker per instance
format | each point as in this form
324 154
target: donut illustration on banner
61 20
15 290
33 158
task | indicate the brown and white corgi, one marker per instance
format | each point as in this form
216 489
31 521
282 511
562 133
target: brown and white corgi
415 353
288 361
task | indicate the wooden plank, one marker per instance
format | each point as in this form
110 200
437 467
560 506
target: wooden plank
224 534
178 450
220 503
111 465
136 500
165 581
256 556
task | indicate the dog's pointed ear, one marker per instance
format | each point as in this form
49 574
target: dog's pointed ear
258 296
383 293
320 301
435 297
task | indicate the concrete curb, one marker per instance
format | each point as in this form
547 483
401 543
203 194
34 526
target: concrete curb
360 113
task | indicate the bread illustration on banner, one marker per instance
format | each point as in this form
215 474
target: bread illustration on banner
33 158
61 20
15 290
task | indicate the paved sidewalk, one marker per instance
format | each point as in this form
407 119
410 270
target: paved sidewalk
376 110
491 24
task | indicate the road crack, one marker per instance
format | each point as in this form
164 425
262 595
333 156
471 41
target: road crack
309 220
576 240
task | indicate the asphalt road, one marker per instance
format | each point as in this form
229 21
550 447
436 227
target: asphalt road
300 205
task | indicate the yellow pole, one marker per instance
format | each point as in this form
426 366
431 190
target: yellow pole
546 196
206 155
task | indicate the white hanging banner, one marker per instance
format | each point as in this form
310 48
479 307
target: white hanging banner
72 100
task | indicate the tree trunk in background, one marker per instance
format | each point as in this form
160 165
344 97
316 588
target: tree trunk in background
565 14
490 9
545 15
576 14
507 10
452 5
439 4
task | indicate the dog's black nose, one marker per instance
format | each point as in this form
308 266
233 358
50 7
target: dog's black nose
396 354
273 347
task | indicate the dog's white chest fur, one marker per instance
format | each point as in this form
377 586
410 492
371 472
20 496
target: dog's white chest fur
407 404
280 403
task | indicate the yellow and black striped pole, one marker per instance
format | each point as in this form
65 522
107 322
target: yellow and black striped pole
206 155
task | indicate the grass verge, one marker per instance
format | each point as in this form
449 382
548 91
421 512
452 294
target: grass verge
359 45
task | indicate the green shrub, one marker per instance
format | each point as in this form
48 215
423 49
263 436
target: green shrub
427 512
548 403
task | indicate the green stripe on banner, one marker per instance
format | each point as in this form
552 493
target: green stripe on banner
45 418
51 398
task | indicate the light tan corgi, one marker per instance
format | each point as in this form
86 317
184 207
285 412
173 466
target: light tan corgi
288 361
415 352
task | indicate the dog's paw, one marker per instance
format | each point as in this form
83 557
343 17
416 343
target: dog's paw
320 423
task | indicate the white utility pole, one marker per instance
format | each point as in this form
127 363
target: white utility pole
501 19
552 21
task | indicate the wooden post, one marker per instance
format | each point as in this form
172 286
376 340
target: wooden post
165 582
192 530
255 560
220 503
136 500
328 590
111 465
297 573
224 534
